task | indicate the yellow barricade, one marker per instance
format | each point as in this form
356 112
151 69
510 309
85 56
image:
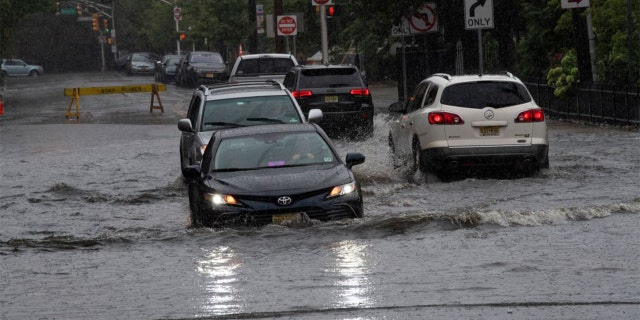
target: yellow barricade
75 94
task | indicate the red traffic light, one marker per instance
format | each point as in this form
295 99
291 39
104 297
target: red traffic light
332 11
182 36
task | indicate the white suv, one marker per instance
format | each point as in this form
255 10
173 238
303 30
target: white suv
452 123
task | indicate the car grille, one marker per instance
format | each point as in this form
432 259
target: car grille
263 217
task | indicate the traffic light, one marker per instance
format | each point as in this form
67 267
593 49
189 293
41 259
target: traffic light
79 9
332 10
105 23
94 22
182 36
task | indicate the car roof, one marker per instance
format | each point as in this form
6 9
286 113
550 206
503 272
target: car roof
447 79
328 66
265 129
243 89
266 55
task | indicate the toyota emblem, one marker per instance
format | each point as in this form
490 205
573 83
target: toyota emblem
284 201
489 114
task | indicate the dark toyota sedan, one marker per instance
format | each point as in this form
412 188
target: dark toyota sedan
277 174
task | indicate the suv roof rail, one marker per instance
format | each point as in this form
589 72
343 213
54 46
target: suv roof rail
443 75
209 89
509 74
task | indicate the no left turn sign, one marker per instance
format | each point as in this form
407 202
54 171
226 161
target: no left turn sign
287 25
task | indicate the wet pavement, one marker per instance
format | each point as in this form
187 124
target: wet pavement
94 225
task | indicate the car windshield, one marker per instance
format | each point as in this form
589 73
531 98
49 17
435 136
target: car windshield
264 66
206 58
481 94
248 111
272 150
141 58
330 78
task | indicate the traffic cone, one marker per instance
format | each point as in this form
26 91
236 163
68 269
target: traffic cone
1 107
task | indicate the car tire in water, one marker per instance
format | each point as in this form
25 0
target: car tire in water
418 163
34 73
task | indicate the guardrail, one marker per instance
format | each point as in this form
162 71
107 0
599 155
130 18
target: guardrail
595 103
75 94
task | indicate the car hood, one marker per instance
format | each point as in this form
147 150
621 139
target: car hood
278 181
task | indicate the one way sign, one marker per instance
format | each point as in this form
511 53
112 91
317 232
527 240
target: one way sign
478 14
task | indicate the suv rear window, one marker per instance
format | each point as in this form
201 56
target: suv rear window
264 66
330 78
477 95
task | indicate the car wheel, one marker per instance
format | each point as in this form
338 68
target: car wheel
395 161
418 160
33 73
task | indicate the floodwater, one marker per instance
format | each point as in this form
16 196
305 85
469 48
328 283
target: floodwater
94 225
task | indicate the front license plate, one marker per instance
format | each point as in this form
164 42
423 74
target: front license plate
489 131
330 99
287 218
209 75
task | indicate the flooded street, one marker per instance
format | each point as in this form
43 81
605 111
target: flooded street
94 224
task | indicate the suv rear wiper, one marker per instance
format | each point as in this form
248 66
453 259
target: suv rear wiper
266 120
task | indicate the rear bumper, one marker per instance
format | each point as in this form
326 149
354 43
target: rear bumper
468 157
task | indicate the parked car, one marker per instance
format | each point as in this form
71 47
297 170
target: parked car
201 67
17 67
141 63
452 123
339 91
262 66
223 106
165 70
278 174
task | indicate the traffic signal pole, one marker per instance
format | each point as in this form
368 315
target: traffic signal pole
323 31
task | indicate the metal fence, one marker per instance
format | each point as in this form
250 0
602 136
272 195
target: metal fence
595 103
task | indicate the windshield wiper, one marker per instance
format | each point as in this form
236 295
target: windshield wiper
266 120
233 169
219 123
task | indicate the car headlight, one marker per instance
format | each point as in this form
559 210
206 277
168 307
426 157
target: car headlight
342 190
220 199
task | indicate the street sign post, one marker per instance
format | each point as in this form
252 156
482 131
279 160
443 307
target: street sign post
478 15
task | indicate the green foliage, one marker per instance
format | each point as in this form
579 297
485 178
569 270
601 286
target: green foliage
564 77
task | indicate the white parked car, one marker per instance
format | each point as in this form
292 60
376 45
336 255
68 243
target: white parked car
17 67
453 123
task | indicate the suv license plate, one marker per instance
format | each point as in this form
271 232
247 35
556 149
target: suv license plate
489 131
330 99
287 218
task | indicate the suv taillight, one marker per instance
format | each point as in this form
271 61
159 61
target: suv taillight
532 115
302 93
363 92
444 118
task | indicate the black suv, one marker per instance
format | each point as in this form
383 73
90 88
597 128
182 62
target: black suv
201 67
337 90
223 106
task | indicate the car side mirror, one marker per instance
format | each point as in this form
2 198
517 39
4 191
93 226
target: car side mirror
353 159
315 116
397 107
184 125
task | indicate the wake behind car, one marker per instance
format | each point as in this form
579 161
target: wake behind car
453 123
339 91
263 66
201 67
278 174
224 106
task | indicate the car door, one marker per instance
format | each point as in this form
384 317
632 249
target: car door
408 121
16 67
